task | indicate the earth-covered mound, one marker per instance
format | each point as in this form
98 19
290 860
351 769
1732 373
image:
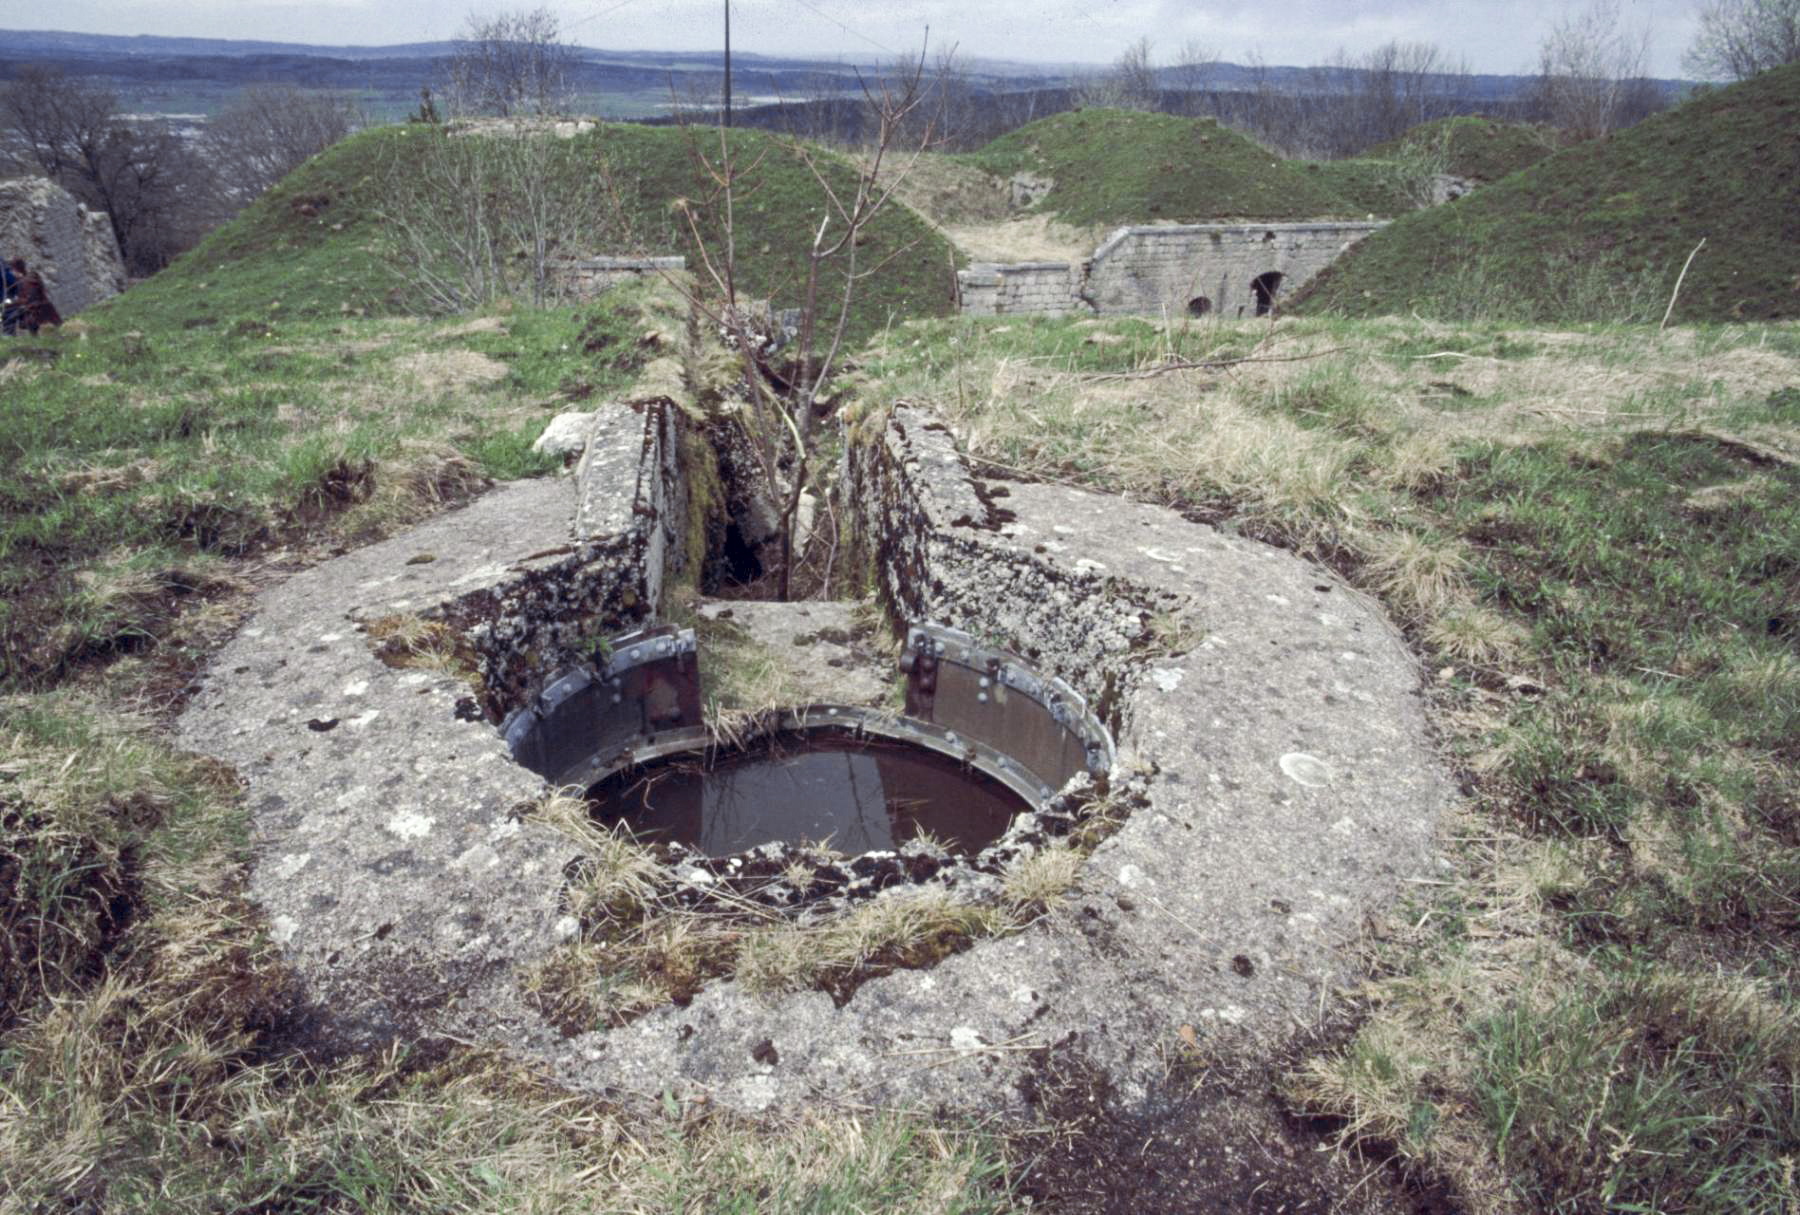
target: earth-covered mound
1600 231
1126 167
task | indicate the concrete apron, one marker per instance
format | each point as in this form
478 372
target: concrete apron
1290 786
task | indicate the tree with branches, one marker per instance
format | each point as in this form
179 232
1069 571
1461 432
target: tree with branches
1382 94
1740 38
1591 73
268 132
511 64
143 175
785 401
1129 84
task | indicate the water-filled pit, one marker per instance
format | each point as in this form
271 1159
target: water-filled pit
830 787
983 745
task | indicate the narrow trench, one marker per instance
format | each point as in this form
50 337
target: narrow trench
734 569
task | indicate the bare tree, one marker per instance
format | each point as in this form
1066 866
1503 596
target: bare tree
952 105
268 132
1591 68
1361 100
1129 84
142 174
1740 38
1191 72
470 217
785 404
511 63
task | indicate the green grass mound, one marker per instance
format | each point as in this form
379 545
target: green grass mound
1380 188
325 241
1396 177
1600 231
1470 146
1124 167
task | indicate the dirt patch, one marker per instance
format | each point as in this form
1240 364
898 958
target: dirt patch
1028 238
947 191
442 370
1221 1143
481 324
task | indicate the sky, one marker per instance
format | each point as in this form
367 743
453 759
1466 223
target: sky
1499 36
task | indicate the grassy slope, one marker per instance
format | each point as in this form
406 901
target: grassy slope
315 241
1597 1009
1121 166
1472 146
1389 178
1603 228
778 211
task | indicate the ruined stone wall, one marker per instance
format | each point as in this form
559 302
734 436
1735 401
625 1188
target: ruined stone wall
586 278
996 289
942 547
72 247
1164 269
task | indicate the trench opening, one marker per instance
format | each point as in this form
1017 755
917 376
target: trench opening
733 565
825 788
1265 287
738 521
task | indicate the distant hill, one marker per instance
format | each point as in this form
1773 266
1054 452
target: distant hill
160 74
165 74
1125 166
1599 231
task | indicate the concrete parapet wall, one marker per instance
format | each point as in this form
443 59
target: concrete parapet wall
631 507
585 278
70 246
1166 268
990 289
942 550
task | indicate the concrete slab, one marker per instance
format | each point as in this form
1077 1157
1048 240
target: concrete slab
1282 748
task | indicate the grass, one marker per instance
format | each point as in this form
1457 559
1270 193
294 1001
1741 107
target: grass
1600 231
1120 166
1591 537
144 454
1469 145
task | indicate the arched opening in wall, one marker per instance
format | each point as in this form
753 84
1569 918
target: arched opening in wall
1265 287
1199 306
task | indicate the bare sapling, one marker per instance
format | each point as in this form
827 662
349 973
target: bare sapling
785 406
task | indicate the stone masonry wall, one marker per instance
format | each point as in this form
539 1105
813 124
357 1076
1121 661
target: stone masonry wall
992 289
586 278
72 247
1164 268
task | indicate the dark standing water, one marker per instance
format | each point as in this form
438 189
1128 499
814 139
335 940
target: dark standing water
855 795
